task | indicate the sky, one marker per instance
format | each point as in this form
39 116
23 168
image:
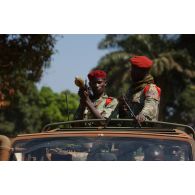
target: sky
76 55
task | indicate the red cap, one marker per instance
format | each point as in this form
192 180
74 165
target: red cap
141 62
97 74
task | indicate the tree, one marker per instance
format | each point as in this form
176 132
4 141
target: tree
23 116
30 113
187 105
174 66
55 107
23 58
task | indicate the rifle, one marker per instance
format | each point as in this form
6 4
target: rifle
129 108
83 85
131 111
79 82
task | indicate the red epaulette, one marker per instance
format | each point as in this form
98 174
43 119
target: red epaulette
157 88
108 100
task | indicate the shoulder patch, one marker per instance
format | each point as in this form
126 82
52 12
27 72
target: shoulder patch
159 90
147 87
108 100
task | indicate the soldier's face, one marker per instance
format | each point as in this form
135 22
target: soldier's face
138 74
97 85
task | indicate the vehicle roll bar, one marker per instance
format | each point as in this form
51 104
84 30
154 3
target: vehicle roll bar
72 124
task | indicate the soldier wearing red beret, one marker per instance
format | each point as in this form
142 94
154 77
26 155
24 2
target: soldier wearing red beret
98 105
143 96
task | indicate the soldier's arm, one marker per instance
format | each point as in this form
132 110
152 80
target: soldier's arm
85 101
151 103
93 110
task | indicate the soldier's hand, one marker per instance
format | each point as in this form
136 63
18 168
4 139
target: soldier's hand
84 96
83 93
140 117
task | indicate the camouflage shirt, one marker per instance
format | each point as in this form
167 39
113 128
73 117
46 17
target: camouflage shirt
105 105
146 102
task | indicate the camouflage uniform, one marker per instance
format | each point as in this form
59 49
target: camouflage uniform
105 105
146 102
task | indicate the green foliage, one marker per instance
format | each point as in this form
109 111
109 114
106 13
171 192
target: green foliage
23 115
23 58
186 104
54 106
29 113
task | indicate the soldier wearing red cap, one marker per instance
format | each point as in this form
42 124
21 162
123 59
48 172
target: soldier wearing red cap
144 95
98 105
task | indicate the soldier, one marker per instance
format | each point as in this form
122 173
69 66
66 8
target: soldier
143 96
98 105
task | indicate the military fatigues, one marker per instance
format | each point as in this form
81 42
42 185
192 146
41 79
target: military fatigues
146 102
105 105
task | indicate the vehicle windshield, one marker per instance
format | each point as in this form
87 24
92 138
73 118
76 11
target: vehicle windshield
100 149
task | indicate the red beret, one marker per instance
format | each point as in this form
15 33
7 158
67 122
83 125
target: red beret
97 74
141 62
